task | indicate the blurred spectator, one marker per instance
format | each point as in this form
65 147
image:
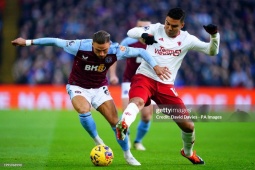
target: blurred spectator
76 19
2 6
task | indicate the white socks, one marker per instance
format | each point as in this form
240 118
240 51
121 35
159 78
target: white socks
98 140
127 154
188 142
130 113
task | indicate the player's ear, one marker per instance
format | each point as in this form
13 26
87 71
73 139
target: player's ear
182 24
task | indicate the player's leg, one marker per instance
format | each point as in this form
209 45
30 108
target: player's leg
104 104
139 96
82 106
125 87
188 138
143 127
169 98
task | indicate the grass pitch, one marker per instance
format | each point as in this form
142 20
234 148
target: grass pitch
56 140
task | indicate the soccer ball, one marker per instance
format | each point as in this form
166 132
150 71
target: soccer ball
101 155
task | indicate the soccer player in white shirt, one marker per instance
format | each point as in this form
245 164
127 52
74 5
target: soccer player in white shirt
168 44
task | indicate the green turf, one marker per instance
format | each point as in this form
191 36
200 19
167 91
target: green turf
56 140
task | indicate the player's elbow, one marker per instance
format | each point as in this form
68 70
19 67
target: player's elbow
129 33
132 33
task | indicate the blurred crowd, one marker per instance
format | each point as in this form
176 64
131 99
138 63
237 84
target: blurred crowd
2 6
78 19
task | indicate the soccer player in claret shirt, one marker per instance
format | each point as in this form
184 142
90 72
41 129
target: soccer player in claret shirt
168 44
131 66
87 83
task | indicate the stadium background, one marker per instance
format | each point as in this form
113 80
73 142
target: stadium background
232 68
40 130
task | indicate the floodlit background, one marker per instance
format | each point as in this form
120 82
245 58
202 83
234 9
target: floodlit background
234 66
39 128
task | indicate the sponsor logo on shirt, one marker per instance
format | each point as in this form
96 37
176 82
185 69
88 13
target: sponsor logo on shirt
163 51
108 59
84 58
98 68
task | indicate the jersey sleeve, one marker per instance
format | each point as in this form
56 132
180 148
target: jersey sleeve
211 48
70 46
127 41
137 32
128 52
124 42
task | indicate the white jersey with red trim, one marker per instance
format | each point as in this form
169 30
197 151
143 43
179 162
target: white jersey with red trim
169 51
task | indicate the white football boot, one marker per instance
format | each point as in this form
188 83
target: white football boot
139 147
132 161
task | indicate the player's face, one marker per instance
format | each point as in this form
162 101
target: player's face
143 23
101 50
172 26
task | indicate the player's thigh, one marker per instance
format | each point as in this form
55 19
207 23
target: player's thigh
109 111
169 100
80 98
100 95
103 102
141 87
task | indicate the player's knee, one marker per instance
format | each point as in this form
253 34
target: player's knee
188 127
82 109
113 121
138 101
146 117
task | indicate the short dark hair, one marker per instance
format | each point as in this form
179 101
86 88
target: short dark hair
144 19
177 14
101 37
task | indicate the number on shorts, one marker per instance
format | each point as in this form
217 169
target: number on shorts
173 90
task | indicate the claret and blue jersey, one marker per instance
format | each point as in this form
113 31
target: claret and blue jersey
88 70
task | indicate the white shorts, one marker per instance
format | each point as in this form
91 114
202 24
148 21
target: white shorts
95 97
125 87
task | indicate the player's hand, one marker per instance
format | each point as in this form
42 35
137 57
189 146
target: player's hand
148 39
114 80
162 72
211 29
19 42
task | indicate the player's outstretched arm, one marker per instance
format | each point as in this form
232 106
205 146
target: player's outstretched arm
40 41
139 32
215 39
211 48
128 52
70 46
19 42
